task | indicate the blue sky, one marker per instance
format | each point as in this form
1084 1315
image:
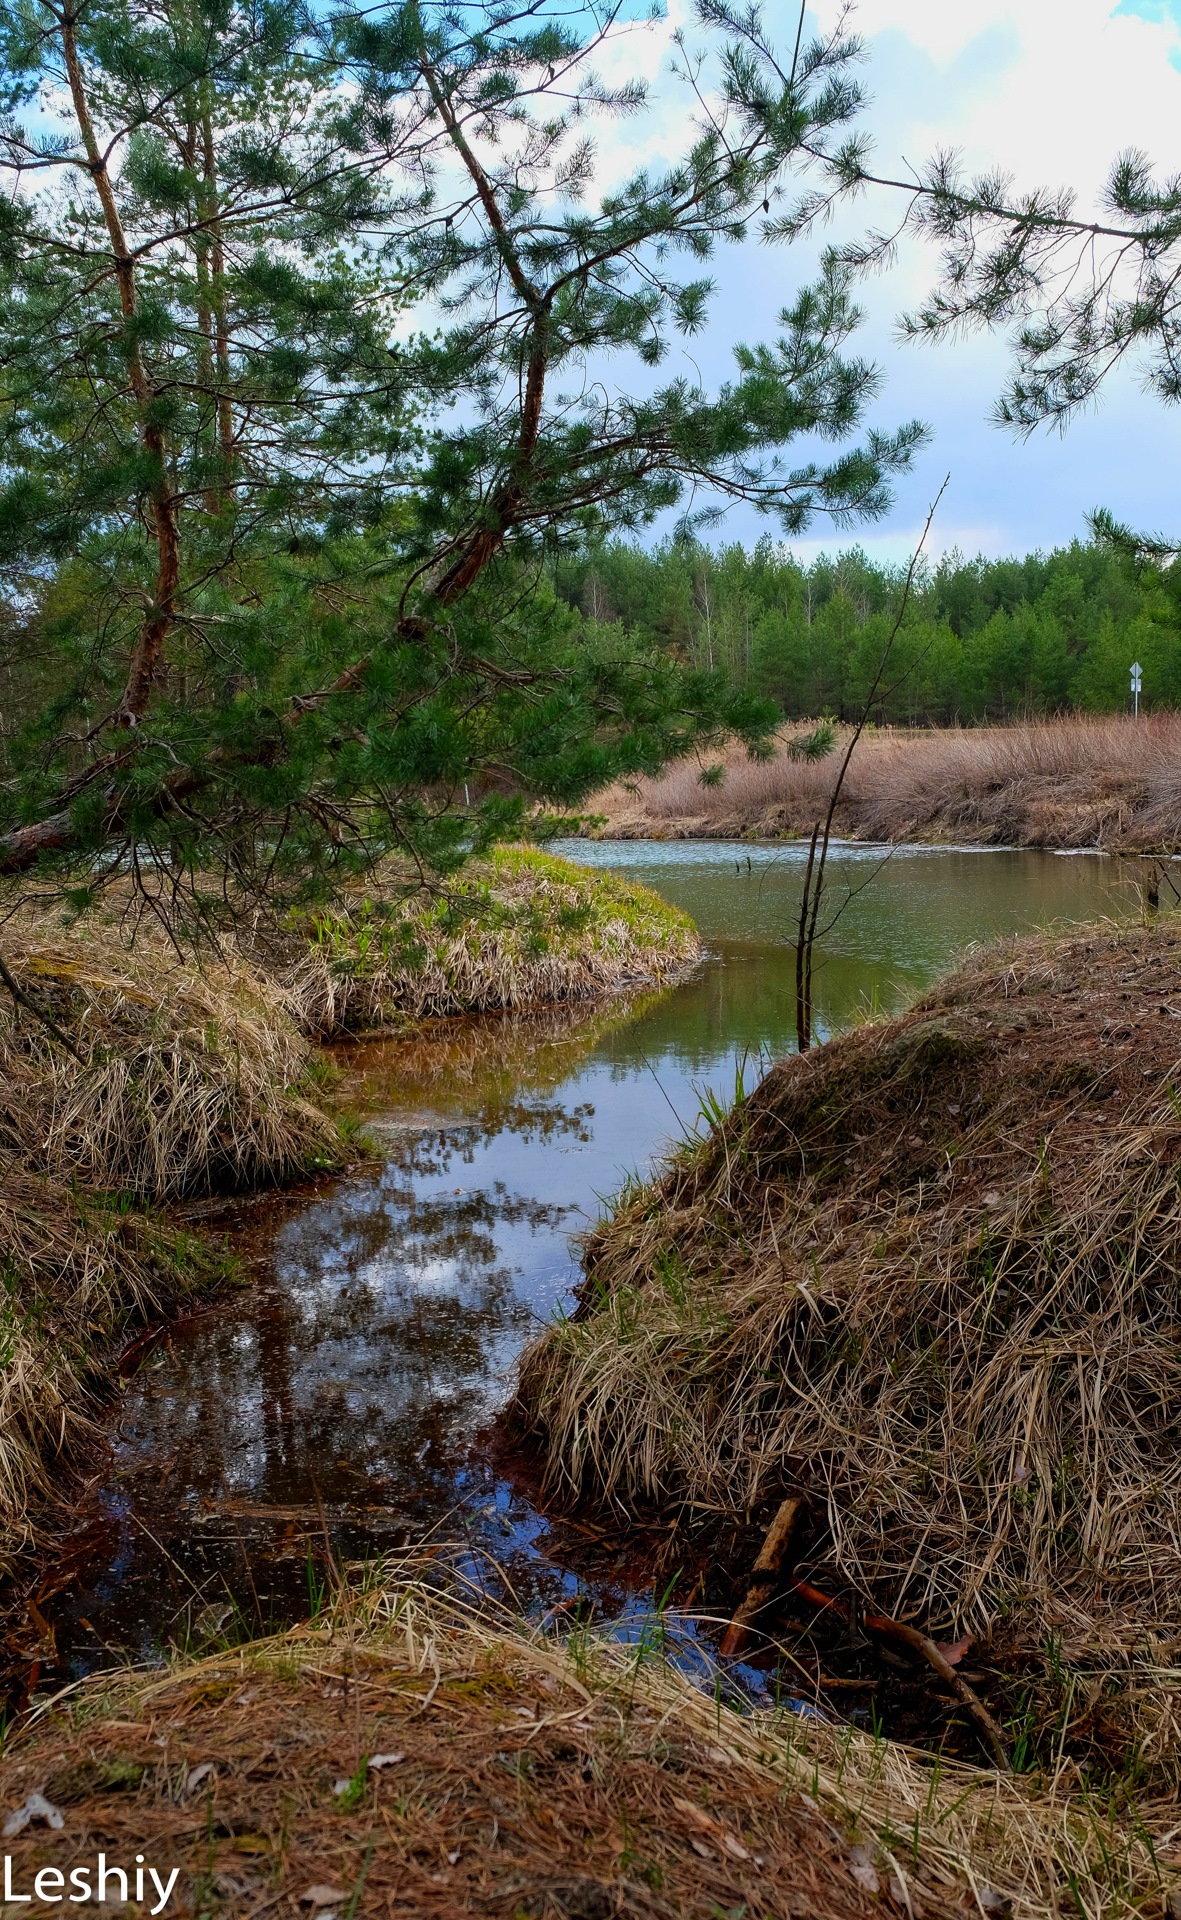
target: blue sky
1051 90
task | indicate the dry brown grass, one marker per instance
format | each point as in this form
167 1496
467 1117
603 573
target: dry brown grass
1075 782
928 1276
532 1781
192 1077
190 1080
520 929
78 1279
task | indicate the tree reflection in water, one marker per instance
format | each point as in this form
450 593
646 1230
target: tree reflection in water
341 1397
345 1397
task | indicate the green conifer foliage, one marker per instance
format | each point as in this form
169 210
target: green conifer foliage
317 337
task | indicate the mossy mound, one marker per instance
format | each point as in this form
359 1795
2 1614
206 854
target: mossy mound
928 1276
521 929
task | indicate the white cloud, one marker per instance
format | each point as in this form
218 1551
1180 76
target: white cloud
1049 91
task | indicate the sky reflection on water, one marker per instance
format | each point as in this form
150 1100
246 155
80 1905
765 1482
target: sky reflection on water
348 1394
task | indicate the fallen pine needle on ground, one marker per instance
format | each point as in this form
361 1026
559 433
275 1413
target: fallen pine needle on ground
414 1754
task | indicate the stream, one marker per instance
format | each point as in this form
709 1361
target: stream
345 1399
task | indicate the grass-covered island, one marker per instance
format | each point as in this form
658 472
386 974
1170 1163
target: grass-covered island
132 1079
522 928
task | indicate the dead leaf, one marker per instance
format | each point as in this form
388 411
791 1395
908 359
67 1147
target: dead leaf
700 1847
953 1651
197 1775
862 1868
36 1807
705 1823
379 1760
997 1904
320 1896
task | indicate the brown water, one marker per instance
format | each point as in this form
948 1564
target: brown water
345 1400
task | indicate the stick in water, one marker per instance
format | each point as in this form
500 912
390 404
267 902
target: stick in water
766 1578
924 1646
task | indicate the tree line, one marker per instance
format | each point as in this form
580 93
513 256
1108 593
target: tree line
983 640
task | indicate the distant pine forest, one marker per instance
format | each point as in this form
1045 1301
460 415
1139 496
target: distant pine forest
983 640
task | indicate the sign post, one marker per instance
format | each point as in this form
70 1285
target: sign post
1136 688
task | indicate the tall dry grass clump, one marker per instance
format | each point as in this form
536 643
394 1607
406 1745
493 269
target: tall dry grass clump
520 929
1073 782
78 1276
929 1277
192 1076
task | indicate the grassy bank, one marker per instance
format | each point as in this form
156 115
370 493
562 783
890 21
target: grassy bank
407 1756
927 1277
1067 783
183 1079
521 929
82 1275
187 1077
168 1078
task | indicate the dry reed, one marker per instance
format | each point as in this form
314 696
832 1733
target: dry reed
522 929
412 1754
927 1276
1074 782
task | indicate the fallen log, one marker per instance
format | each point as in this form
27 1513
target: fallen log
766 1580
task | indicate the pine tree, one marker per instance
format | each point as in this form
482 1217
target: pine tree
314 335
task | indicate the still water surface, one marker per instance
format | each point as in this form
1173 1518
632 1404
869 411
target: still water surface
347 1396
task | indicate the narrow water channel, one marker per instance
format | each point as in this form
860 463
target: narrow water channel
345 1398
